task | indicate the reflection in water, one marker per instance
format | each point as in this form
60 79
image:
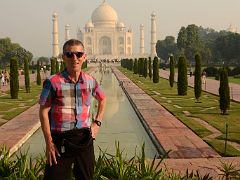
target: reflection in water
120 122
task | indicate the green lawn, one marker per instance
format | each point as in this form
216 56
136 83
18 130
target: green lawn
208 110
234 80
9 108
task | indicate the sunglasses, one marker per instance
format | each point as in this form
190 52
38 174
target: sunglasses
71 54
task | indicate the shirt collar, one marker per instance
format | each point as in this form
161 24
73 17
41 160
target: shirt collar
81 78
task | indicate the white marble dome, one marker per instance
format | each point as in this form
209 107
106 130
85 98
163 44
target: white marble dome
104 16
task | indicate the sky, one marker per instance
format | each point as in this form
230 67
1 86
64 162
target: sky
29 22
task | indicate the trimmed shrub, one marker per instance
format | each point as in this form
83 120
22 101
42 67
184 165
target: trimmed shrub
145 68
14 83
63 65
140 66
182 83
131 65
224 93
39 81
26 75
155 70
57 67
53 65
150 68
197 78
211 71
235 71
135 66
172 73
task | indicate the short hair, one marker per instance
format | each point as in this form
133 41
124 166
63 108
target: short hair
72 42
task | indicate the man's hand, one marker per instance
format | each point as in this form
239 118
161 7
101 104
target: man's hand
94 129
51 152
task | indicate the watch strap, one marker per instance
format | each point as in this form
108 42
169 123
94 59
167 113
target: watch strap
99 123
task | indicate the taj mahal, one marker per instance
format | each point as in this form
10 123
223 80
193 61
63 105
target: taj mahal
104 36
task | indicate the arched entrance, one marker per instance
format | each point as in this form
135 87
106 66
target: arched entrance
105 46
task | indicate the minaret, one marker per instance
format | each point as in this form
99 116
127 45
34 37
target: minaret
153 35
55 35
67 34
141 39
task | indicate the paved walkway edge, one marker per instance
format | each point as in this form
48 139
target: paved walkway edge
25 138
152 136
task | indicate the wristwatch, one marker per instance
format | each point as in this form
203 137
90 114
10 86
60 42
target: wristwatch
99 123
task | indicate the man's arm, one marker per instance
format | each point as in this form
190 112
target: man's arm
51 149
99 116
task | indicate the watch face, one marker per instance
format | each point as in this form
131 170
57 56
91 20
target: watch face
98 122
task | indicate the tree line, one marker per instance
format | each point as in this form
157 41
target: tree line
214 47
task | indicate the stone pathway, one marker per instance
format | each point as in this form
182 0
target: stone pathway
16 131
215 132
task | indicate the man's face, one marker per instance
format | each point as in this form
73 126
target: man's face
74 56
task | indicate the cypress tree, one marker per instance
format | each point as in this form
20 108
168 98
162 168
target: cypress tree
38 74
84 65
63 66
131 65
224 93
140 67
14 83
197 77
155 70
182 83
26 75
53 65
172 73
135 66
57 67
145 68
150 68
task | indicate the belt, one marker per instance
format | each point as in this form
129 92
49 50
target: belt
71 132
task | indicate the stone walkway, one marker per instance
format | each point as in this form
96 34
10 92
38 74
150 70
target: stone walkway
16 131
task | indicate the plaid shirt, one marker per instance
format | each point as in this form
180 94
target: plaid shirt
69 102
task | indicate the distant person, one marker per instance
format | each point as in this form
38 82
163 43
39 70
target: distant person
190 73
7 77
204 75
65 117
2 79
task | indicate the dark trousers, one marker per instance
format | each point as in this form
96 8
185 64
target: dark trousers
79 153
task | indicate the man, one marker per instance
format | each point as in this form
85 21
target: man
65 118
